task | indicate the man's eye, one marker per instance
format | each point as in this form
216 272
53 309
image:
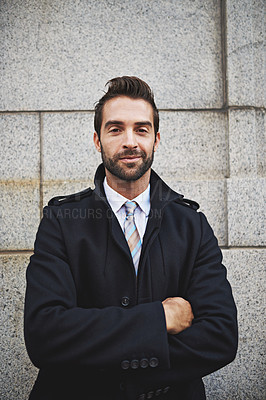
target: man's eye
115 130
141 130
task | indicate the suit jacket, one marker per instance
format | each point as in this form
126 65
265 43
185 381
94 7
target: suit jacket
96 330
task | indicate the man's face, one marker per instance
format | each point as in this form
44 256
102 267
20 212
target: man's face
127 141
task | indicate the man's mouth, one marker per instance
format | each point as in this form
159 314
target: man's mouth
130 158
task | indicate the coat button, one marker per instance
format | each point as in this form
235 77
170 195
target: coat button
144 363
166 389
154 362
125 364
125 301
134 364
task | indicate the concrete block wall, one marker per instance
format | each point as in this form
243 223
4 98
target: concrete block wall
204 61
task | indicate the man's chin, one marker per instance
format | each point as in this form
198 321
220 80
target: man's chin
129 166
128 172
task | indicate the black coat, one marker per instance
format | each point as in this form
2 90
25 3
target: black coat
96 331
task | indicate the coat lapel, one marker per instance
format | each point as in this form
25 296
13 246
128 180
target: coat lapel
115 228
161 196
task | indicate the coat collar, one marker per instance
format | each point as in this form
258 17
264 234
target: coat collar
161 194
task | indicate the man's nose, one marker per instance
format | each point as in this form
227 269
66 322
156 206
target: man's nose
129 139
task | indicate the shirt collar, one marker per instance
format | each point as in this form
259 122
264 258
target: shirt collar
116 200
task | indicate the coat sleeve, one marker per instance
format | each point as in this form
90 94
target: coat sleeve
211 342
58 332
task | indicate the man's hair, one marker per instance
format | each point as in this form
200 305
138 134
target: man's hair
129 86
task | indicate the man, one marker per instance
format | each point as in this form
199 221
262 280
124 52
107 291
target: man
126 294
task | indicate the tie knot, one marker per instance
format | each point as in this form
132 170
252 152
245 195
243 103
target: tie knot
130 207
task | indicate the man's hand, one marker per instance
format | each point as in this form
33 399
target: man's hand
178 314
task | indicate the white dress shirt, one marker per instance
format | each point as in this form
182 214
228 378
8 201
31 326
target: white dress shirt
141 213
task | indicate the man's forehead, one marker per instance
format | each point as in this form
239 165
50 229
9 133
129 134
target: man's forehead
123 105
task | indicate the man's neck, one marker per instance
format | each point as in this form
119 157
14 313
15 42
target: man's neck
128 189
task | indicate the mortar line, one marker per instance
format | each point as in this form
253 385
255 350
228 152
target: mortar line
242 247
30 251
226 213
228 174
223 21
14 252
217 109
250 108
41 163
223 7
222 109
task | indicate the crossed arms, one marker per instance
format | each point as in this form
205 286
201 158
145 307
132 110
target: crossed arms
58 331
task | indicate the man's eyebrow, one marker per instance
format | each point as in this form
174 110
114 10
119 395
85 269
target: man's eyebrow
138 123
141 123
113 122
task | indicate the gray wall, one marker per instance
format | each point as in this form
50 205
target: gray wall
204 61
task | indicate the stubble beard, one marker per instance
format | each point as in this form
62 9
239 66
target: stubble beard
130 171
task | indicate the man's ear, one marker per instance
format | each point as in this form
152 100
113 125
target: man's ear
157 141
97 142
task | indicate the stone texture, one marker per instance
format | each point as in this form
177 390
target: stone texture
68 149
19 215
244 378
17 372
246 273
247 143
246 212
211 196
20 146
193 146
58 55
245 48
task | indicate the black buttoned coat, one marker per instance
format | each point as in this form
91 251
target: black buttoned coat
96 330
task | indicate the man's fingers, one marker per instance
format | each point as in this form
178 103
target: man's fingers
178 314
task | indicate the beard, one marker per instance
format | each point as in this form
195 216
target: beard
130 171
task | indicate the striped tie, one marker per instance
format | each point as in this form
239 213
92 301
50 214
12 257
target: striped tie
131 232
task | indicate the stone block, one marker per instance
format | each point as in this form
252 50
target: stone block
19 215
68 149
20 146
211 197
244 378
246 52
246 273
193 146
17 372
246 212
247 143
59 55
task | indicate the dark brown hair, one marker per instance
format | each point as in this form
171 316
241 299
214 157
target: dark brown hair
129 86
